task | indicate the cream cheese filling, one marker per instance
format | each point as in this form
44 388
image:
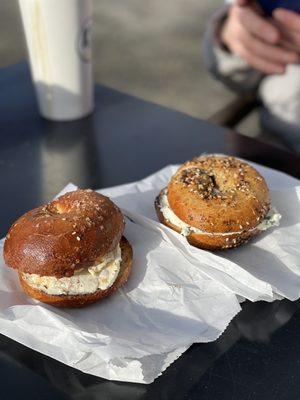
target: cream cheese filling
271 219
84 281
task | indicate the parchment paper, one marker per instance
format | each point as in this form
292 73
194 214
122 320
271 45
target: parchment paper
136 333
177 295
266 268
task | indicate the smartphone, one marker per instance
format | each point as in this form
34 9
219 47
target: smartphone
269 5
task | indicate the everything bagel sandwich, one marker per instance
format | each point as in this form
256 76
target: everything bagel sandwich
217 202
70 252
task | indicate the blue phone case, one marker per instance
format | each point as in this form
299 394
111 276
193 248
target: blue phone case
269 5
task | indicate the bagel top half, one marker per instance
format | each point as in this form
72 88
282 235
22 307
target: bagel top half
219 194
67 234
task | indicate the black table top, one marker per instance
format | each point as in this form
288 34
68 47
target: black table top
257 357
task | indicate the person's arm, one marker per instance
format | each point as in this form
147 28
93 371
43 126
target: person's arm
241 46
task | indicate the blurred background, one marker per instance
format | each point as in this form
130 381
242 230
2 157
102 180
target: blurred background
150 49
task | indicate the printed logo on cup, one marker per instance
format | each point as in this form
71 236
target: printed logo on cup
84 41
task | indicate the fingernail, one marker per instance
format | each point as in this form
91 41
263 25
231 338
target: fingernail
279 14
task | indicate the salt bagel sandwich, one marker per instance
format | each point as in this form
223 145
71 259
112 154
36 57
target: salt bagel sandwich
70 252
217 202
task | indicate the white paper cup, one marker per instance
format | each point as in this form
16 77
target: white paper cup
58 34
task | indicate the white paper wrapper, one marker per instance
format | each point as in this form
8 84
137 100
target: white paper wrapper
266 268
177 294
167 305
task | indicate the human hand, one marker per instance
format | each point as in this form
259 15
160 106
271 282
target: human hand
289 24
249 34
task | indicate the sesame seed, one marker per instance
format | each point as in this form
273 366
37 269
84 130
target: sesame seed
74 233
78 238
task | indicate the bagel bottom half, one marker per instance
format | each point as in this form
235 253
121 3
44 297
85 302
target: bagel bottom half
76 301
208 242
